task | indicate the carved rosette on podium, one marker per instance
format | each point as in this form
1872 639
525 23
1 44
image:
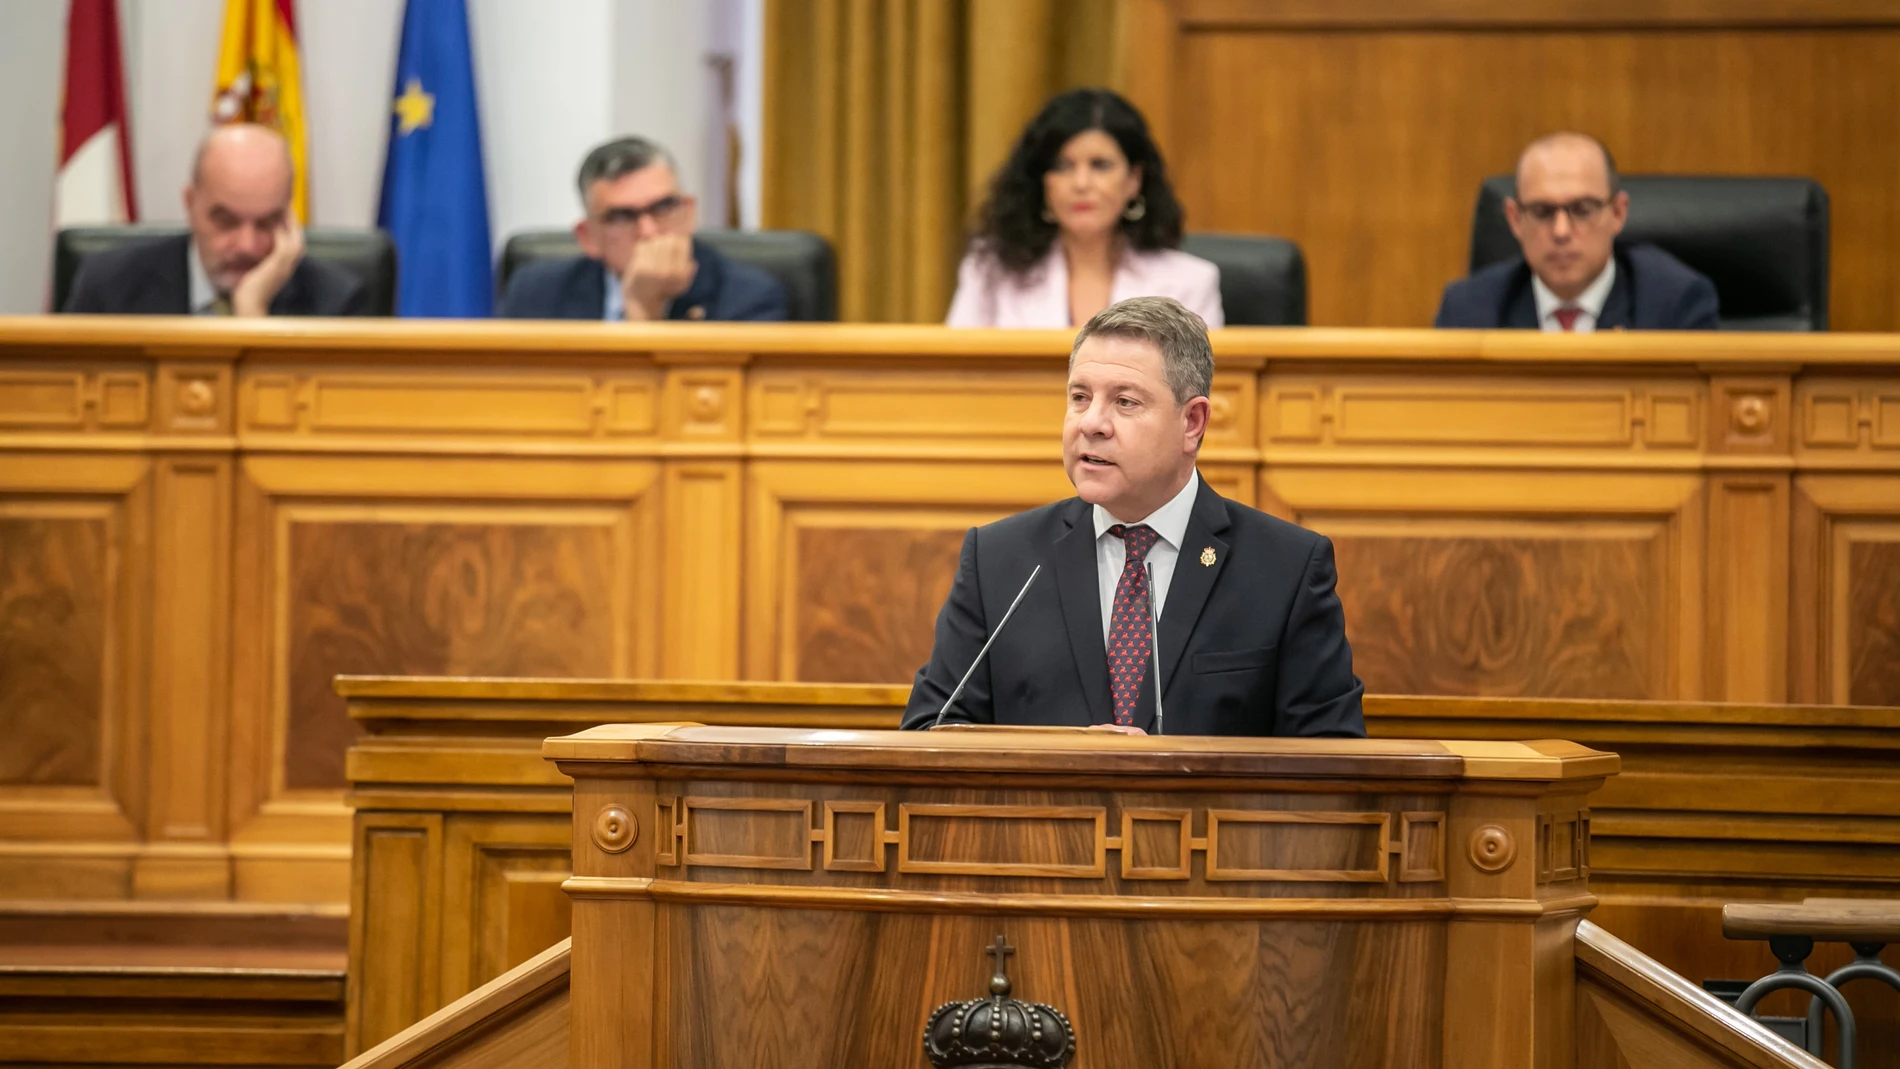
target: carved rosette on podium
783 898
998 1032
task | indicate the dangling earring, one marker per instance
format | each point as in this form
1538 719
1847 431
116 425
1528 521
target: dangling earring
1137 209
1047 215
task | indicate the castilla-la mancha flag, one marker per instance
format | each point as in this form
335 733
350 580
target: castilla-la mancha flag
260 81
95 138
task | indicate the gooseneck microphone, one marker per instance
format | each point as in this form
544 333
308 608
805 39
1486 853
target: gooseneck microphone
984 652
1154 645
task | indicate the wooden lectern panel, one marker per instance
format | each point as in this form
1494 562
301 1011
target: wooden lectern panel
1629 1010
763 987
763 897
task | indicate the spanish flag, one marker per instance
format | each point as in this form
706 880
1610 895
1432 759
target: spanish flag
259 80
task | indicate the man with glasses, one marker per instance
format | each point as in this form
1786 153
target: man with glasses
641 262
1574 276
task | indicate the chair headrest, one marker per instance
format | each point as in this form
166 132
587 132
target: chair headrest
1262 278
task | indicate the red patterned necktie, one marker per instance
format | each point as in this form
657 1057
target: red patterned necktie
1129 642
1567 318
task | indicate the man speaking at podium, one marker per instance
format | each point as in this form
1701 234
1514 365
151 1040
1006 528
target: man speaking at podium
1147 574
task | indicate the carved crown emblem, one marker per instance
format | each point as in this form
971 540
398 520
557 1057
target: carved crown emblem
998 1032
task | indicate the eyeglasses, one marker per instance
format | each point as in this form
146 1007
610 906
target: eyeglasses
662 211
1582 212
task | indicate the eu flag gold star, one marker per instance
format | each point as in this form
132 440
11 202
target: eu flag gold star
415 109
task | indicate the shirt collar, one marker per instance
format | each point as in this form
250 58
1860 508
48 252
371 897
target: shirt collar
1169 521
203 293
1591 300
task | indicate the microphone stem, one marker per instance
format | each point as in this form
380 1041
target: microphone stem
980 654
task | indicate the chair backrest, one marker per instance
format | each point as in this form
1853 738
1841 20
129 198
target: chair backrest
1763 242
1262 279
801 261
367 254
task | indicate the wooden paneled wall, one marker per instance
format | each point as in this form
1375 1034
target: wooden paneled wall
202 523
1362 130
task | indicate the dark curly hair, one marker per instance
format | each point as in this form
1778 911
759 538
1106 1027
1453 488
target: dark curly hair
1010 225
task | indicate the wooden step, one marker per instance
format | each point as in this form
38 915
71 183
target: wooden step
171 984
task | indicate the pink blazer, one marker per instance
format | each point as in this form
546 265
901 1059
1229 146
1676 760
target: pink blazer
988 296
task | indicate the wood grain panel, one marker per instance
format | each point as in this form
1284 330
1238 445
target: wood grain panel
1189 994
1843 630
393 947
1367 145
1873 622
435 599
1492 614
501 902
1748 588
191 648
868 599
1448 14
56 575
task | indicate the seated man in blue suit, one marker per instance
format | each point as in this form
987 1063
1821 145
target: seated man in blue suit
1574 275
641 260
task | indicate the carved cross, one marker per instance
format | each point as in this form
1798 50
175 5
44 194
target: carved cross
1000 950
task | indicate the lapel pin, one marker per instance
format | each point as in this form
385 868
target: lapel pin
1207 557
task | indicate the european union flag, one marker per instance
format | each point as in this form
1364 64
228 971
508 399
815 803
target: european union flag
435 203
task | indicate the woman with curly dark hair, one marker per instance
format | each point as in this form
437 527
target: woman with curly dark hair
1081 216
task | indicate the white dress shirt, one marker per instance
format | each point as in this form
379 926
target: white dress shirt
1111 554
203 293
1589 302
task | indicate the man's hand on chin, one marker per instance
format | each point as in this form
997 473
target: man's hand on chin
662 268
260 285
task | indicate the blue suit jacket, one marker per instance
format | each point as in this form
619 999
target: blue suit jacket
576 288
1653 291
1252 638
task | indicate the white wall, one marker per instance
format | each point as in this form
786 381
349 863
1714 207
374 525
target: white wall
30 71
554 78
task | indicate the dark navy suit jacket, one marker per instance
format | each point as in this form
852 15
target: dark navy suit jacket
723 289
152 278
1252 636
1653 291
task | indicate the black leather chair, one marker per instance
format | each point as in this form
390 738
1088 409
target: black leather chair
801 261
1762 241
367 254
1262 279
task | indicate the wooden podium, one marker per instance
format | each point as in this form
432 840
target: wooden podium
801 898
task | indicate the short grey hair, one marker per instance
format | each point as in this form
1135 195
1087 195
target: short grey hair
1187 360
621 157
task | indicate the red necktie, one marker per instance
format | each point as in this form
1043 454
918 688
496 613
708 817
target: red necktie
1567 317
1129 642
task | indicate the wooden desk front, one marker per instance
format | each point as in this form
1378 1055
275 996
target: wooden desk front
462 830
795 897
202 524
